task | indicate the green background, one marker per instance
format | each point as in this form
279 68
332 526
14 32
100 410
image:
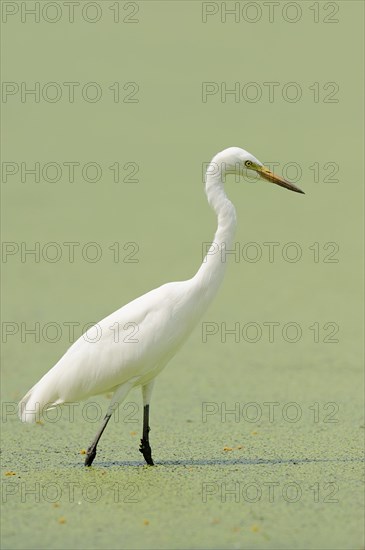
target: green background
170 132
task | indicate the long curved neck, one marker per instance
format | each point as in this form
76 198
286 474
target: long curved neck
212 270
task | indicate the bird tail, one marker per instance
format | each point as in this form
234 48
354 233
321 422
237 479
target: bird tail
34 404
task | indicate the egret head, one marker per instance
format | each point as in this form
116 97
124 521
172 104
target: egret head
238 161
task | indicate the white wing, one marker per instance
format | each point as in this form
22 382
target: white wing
135 341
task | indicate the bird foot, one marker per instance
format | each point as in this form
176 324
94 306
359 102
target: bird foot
145 449
90 455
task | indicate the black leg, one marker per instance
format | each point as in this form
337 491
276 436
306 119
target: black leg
119 395
91 452
145 448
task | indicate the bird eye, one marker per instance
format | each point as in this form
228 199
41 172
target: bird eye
248 163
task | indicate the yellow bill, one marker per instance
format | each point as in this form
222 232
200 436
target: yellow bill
270 176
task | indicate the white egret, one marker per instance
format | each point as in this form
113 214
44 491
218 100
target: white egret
161 319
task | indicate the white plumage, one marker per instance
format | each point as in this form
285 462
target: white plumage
132 345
